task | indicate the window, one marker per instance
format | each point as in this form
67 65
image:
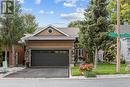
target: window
50 30
79 52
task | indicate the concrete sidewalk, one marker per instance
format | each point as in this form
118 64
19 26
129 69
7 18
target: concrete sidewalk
103 76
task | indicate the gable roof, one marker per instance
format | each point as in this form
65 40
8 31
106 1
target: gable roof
47 28
69 34
50 38
73 32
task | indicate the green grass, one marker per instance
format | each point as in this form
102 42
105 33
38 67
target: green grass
102 69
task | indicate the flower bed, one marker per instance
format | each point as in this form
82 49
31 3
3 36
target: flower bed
86 67
86 70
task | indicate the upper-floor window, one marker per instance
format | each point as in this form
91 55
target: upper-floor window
50 30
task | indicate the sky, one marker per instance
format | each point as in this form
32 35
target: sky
55 12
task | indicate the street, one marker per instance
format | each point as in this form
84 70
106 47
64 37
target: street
64 83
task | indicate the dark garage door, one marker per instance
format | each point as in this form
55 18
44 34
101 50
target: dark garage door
50 58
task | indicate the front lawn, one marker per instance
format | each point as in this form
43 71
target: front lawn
102 69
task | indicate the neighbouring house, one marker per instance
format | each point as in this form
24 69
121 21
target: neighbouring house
19 56
125 42
100 56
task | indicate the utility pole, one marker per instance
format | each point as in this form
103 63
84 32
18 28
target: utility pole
118 38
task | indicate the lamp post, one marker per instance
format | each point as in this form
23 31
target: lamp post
118 38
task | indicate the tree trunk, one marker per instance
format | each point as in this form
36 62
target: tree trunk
95 59
13 55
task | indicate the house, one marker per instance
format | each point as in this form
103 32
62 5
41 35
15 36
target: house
125 42
50 47
49 39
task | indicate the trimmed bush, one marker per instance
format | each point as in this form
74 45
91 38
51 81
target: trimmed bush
89 74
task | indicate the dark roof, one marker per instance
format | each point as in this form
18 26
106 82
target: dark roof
70 31
50 38
70 34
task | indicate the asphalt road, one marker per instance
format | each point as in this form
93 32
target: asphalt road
64 83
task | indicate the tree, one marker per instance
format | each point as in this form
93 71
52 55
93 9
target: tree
17 29
94 30
4 33
21 24
1 57
74 24
30 24
13 28
110 51
125 11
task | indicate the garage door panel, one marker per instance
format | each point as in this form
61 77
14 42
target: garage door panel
50 58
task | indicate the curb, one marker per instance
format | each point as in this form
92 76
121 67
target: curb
72 78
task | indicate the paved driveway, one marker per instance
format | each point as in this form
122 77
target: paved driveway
40 73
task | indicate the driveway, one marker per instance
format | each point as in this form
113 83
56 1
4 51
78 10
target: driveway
40 73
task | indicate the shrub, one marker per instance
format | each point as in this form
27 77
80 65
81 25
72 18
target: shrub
86 67
86 70
89 74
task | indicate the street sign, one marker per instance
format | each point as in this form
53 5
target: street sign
125 35
7 7
113 34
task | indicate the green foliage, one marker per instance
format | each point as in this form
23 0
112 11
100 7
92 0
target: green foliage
29 23
89 74
110 52
4 31
17 27
125 11
75 24
94 29
102 69
75 71
1 53
13 28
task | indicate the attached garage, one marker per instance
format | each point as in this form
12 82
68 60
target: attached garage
50 58
51 47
